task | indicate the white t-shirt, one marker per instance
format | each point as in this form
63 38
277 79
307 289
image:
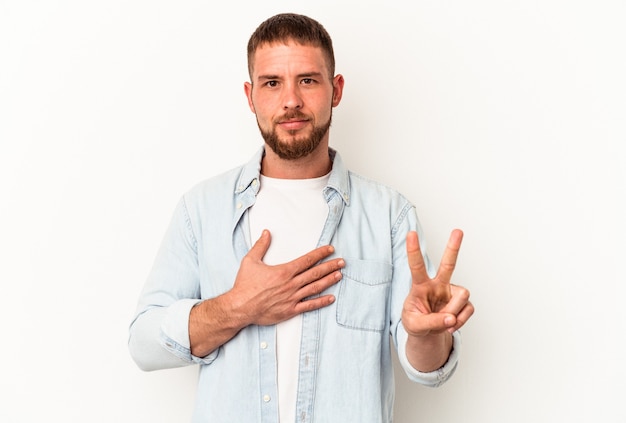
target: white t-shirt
294 211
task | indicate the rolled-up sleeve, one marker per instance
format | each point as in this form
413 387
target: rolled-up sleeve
159 332
434 378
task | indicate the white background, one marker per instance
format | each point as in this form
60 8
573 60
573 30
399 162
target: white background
503 118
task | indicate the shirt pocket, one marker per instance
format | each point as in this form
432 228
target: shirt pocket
363 298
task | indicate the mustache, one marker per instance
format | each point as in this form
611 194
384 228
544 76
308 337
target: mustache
292 115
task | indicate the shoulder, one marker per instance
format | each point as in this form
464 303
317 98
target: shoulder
363 188
228 183
225 181
211 194
360 188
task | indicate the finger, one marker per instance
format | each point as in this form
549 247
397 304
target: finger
463 316
415 258
432 322
448 261
314 304
320 271
260 247
458 300
309 259
317 285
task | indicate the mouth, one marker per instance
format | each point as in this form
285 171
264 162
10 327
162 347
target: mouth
293 124
293 121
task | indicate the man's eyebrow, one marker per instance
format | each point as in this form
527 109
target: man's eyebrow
309 74
301 75
267 77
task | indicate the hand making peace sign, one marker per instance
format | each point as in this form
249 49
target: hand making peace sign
435 305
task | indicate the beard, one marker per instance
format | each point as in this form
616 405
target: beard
298 147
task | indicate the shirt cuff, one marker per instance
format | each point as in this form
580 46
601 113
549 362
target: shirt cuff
175 332
435 378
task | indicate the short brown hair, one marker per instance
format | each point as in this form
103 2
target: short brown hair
286 27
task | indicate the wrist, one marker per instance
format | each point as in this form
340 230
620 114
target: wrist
235 313
430 352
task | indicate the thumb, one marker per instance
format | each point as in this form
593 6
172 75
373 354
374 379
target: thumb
260 247
432 322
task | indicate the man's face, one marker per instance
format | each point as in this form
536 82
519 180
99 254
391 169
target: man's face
292 95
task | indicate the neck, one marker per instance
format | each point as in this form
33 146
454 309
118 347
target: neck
314 165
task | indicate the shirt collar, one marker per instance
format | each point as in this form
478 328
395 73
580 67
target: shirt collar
338 181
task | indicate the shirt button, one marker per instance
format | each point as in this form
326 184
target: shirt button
239 205
266 398
263 345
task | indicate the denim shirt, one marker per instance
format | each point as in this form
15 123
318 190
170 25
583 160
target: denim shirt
345 352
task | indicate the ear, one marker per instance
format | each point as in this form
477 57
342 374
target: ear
338 82
247 87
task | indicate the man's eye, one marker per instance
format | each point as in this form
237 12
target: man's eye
307 81
271 83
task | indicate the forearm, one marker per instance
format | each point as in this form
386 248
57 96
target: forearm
429 353
214 322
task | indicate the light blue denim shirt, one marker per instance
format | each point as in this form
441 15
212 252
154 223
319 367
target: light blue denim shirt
345 355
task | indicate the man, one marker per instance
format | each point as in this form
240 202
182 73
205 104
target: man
284 278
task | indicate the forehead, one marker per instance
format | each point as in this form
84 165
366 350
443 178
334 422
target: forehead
277 58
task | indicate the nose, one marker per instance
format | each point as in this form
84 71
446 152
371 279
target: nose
292 98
